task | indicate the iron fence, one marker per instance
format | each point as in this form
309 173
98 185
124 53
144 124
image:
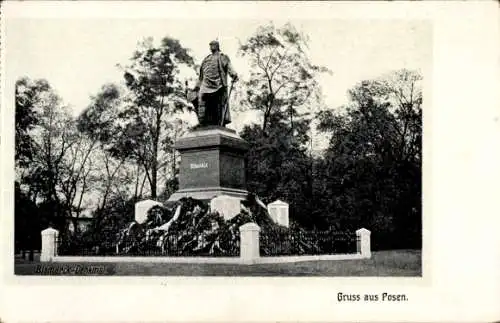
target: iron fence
300 242
171 246
273 242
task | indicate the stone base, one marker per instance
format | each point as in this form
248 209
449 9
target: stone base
208 193
212 164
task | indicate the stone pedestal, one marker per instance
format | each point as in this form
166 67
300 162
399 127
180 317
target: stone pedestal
212 164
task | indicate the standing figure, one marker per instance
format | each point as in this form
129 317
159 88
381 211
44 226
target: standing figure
213 101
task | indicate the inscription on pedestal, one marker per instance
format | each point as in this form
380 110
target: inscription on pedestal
198 165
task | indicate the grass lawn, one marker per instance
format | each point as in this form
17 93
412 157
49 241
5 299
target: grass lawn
383 263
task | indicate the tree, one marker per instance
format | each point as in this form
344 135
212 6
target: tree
26 221
282 77
114 178
372 167
75 176
50 162
155 94
51 138
99 123
56 178
282 85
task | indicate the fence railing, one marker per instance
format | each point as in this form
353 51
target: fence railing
287 243
172 246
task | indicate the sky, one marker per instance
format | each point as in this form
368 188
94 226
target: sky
78 56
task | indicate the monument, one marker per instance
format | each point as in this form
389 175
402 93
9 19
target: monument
212 155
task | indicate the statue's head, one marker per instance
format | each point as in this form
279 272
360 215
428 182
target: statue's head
214 46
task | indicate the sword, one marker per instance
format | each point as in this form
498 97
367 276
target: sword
226 105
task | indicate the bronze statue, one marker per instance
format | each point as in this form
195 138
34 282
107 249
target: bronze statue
211 95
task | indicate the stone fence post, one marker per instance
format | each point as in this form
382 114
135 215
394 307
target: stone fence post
363 243
49 244
278 210
249 242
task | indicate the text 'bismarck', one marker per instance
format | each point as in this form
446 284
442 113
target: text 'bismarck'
199 165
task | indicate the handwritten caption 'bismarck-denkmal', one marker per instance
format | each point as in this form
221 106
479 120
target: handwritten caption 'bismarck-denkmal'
71 269
383 297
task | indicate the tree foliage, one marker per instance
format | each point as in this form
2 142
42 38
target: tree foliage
146 130
282 77
282 86
279 166
50 173
27 95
